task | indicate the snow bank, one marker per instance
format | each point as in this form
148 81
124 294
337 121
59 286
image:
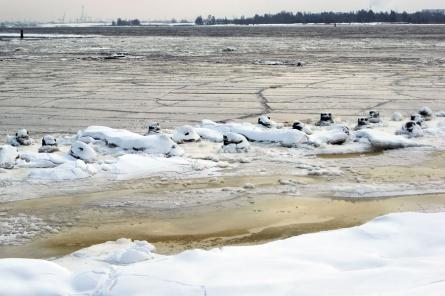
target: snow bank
397 254
255 133
153 144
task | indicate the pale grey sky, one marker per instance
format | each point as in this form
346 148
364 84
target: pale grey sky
47 10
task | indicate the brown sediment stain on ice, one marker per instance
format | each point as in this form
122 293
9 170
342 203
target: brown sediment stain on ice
271 218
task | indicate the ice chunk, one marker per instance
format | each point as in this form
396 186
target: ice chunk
397 116
234 143
426 113
411 129
265 121
49 144
300 126
8 156
81 150
21 138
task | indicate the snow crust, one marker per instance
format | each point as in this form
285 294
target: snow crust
396 254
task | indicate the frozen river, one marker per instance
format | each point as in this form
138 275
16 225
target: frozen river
61 80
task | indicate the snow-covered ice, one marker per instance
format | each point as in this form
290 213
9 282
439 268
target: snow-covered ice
285 137
396 254
153 144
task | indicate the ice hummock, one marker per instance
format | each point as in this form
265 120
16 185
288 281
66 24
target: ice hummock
152 144
256 133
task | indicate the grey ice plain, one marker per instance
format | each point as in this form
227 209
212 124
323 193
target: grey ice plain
178 75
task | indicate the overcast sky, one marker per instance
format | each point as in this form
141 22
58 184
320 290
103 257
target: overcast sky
47 10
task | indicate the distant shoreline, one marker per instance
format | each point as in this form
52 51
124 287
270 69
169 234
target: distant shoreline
95 25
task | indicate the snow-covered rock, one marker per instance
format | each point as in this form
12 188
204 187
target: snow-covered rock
362 123
300 126
374 117
21 138
49 144
326 119
8 156
234 143
185 133
152 144
410 129
81 150
265 121
153 128
426 113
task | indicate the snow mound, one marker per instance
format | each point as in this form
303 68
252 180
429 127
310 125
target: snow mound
152 144
255 133
8 156
185 133
234 143
336 135
210 134
83 151
121 252
29 277
381 141
69 170
40 160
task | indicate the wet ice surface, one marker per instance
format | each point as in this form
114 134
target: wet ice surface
62 85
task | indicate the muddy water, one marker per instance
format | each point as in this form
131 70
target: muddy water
267 219
209 212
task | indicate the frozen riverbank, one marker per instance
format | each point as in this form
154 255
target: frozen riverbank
397 254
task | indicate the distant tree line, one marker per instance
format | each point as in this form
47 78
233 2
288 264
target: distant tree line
121 22
361 16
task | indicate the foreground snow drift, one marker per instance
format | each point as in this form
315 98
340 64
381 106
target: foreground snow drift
397 254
